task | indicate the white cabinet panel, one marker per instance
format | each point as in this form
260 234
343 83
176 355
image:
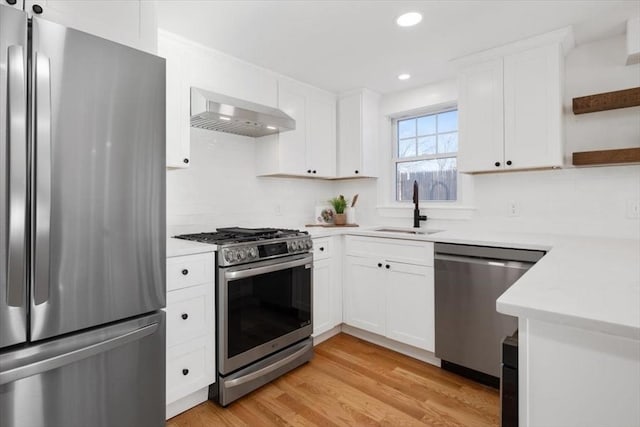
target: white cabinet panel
133 22
322 304
189 368
358 121
321 136
533 108
410 305
398 250
480 111
190 270
292 144
365 294
189 313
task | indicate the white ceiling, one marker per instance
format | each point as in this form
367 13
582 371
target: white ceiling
343 45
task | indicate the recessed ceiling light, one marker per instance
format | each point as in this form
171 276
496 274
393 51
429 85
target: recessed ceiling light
409 19
224 118
271 127
404 76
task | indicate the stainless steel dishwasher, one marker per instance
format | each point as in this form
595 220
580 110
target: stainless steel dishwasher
469 330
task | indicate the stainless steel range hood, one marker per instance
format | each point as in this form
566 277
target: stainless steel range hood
222 113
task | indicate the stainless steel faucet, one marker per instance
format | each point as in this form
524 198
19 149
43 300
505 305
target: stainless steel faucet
416 210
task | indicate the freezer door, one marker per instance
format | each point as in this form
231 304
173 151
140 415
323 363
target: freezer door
13 176
114 376
98 181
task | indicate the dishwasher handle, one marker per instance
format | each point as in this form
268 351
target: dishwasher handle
490 262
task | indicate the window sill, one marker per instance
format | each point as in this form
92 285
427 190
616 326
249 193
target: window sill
435 211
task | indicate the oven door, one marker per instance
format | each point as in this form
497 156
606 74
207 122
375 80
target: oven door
263 307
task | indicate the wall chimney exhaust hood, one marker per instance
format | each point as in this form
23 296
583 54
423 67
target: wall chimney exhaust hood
222 113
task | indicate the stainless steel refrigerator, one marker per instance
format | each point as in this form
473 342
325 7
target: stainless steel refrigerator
82 228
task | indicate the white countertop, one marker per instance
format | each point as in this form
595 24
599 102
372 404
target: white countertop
179 247
587 282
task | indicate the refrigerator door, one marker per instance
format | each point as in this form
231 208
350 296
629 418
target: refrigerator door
13 176
112 376
98 208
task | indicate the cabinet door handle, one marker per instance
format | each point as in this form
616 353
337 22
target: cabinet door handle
314 171
185 372
185 272
387 266
508 162
185 161
37 9
11 2
357 172
308 170
184 316
379 264
321 249
497 164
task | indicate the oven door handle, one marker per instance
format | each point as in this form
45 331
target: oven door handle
306 261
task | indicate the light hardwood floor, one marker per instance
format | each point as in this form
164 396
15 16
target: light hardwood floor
351 382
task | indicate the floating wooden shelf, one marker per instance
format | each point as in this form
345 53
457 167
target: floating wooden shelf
607 101
605 157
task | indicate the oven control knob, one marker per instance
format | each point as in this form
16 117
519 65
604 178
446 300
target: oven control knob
308 244
242 254
294 245
298 245
253 252
228 255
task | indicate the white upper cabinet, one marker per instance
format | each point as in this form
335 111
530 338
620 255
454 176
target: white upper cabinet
310 149
358 120
533 108
133 23
510 107
481 117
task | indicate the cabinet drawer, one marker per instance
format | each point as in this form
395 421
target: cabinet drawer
321 248
189 368
189 313
397 250
190 270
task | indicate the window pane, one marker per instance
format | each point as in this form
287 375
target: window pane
437 179
427 125
406 128
448 122
426 145
407 147
448 142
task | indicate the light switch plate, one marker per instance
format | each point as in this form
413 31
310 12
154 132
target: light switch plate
514 209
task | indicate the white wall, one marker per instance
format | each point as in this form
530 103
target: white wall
220 188
588 201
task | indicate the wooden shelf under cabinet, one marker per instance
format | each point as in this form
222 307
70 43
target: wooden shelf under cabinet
607 101
604 157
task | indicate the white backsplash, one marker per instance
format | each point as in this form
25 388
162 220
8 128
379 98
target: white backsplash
220 188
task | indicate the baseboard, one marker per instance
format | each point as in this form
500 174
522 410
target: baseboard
187 402
407 350
326 335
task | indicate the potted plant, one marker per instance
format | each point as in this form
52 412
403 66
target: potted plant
339 204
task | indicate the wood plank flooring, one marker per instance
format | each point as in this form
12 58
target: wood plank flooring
351 382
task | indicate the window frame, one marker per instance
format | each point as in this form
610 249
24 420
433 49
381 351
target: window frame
395 159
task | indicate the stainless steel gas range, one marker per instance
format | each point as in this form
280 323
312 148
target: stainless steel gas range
264 288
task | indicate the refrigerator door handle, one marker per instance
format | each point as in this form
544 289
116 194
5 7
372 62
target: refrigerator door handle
42 140
17 174
53 361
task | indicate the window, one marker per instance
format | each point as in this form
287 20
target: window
425 151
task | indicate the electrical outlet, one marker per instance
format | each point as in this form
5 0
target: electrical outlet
514 208
633 208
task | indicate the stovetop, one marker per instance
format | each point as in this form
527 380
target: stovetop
225 236
238 245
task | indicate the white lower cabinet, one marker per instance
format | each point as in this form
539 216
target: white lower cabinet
388 296
410 305
327 286
365 305
190 330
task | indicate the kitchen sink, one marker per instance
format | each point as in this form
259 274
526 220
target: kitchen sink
416 232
